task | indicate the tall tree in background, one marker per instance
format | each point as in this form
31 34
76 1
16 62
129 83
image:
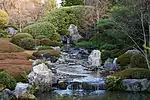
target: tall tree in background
23 12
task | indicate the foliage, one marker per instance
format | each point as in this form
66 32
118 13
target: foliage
27 43
42 28
48 42
81 16
40 37
45 42
124 60
138 61
3 34
7 81
108 47
134 73
33 89
72 2
16 39
3 17
45 48
114 83
86 44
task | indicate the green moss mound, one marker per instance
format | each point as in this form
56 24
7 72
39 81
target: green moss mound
28 43
138 61
42 28
134 73
16 39
124 60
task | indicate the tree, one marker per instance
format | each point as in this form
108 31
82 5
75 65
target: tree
23 12
133 17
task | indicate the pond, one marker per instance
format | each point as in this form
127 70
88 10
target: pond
101 96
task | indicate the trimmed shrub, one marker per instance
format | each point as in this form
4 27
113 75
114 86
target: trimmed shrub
81 16
42 28
45 48
28 43
7 81
114 83
134 73
16 39
3 17
138 61
40 37
3 34
48 42
45 42
124 60
108 47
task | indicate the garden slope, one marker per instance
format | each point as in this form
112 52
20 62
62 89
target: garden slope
13 60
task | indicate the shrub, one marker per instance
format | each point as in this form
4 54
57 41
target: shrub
45 42
7 81
73 2
81 16
45 48
16 39
42 28
138 61
86 44
28 43
114 83
3 17
40 37
108 47
3 34
48 42
124 60
134 73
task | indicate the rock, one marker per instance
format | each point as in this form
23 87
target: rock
11 30
136 85
94 58
21 88
56 48
27 96
75 36
134 51
51 55
41 76
62 84
111 64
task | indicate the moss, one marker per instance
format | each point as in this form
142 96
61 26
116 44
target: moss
124 60
138 61
16 39
134 73
45 48
28 43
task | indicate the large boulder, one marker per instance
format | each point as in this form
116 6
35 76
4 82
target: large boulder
75 36
41 76
94 58
136 85
134 51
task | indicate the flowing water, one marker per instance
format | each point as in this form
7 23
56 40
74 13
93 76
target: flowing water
83 84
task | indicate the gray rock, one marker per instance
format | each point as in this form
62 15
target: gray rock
41 76
75 36
134 51
136 85
111 64
94 58
11 30
21 88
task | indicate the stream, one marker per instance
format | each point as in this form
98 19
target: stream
80 83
